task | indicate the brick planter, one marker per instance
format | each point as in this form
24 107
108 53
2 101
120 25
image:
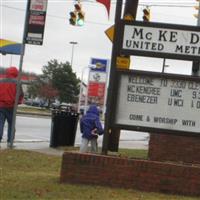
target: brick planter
130 173
165 147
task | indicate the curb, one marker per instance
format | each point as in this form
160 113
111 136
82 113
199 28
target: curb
33 113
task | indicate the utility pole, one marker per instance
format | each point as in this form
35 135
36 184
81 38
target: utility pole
72 56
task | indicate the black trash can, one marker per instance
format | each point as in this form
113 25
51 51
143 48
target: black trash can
63 127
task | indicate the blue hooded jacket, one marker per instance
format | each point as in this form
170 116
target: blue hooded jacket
89 122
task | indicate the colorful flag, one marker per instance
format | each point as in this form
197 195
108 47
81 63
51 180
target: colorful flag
106 3
10 47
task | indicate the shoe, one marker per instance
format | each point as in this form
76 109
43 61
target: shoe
9 145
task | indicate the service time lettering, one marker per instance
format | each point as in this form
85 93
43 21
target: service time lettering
159 102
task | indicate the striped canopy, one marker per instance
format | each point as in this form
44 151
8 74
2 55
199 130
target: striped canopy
10 47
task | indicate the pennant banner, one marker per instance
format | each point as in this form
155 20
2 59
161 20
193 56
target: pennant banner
106 3
10 47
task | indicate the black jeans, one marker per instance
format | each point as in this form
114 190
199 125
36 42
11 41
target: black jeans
6 114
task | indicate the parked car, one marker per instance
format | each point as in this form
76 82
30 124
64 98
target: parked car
64 106
55 105
35 102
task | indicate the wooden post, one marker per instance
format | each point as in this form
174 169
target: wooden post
114 136
112 78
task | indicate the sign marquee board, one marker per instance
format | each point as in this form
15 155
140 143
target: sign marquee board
97 84
158 102
96 90
36 22
160 40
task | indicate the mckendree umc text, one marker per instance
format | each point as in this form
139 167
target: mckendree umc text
173 41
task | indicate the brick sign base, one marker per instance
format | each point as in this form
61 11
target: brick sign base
130 173
165 147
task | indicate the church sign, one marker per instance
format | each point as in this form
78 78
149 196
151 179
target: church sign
148 101
160 40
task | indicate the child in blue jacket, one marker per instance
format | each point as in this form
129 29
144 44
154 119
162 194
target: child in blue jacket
91 127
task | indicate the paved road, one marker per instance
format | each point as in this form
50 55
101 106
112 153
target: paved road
34 133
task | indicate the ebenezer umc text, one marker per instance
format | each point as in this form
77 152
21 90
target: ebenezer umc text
143 90
149 41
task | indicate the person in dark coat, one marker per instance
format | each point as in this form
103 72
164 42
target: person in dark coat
91 128
7 100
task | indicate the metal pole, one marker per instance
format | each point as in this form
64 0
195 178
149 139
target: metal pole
106 85
72 43
86 95
19 75
11 59
80 91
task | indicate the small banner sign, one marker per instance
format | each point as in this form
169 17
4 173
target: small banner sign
97 81
36 22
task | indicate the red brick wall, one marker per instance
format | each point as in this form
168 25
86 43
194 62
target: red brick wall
130 173
165 147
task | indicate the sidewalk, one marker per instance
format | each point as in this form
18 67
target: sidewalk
40 142
43 146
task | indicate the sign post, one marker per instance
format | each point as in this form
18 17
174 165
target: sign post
122 62
32 18
112 85
19 75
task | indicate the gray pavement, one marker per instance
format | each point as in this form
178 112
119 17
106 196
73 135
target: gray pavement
43 146
39 140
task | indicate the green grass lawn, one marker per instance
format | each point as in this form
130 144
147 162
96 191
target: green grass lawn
27 175
30 109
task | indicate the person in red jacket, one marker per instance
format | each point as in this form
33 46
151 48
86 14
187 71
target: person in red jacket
7 100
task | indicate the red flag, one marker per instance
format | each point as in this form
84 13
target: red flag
106 3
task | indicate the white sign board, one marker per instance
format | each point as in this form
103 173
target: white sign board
96 76
38 5
36 22
159 102
161 40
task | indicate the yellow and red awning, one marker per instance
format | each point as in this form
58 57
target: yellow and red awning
10 47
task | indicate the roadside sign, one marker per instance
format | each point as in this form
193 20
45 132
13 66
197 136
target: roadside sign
158 102
160 40
99 64
110 32
123 62
97 76
36 22
97 81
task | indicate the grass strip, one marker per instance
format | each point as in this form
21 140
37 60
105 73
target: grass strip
34 176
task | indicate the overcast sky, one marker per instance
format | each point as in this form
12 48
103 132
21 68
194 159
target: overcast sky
92 41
